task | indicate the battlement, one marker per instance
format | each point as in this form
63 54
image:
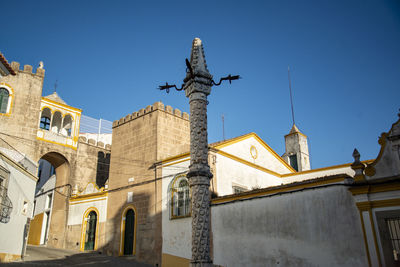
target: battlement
93 142
28 69
144 111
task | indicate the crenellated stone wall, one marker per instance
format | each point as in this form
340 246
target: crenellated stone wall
139 140
23 118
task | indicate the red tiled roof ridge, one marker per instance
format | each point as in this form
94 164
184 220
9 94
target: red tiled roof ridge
5 63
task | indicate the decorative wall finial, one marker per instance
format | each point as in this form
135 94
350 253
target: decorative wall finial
41 65
356 156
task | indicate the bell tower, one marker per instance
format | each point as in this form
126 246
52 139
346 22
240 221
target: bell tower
297 150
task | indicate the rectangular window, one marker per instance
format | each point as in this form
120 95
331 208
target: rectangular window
293 162
130 197
48 201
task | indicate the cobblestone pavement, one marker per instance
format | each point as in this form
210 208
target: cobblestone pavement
43 256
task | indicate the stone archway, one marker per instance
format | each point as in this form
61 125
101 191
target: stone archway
62 192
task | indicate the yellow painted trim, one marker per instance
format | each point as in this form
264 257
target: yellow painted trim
176 162
18 166
84 224
255 149
375 188
233 141
265 145
8 257
121 246
88 196
172 216
225 154
43 107
11 96
62 105
375 239
168 260
53 142
366 205
180 156
323 169
87 201
265 192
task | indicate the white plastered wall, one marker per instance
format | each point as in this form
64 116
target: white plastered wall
176 233
21 187
264 158
78 209
233 173
310 228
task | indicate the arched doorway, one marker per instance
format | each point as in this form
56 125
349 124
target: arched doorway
53 190
90 227
128 232
90 235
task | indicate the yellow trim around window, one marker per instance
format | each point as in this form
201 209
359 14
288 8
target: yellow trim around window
11 98
84 224
123 217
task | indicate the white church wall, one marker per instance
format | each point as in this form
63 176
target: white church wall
310 228
176 233
232 173
264 158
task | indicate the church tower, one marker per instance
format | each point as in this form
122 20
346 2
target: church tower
297 150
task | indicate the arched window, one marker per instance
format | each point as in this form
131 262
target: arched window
180 197
67 125
4 96
56 122
45 119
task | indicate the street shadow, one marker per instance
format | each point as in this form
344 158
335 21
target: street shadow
82 259
147 228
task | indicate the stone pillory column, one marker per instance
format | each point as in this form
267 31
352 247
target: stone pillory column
197 86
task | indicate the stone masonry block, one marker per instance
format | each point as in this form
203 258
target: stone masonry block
141 112
149 109
177 112
40 72
15 65
28 68
168 109
185 116
158 105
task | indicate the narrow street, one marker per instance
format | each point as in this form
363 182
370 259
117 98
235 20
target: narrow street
43 256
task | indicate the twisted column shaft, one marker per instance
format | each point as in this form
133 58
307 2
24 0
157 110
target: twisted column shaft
199 180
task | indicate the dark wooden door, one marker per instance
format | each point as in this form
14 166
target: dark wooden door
129 232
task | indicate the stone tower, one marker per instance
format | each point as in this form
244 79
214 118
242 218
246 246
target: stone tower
297 150
139 141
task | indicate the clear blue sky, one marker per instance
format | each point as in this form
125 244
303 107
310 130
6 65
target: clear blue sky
110 56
